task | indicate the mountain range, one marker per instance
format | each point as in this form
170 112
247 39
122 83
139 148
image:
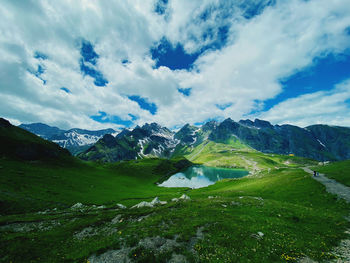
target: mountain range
319 142
75 140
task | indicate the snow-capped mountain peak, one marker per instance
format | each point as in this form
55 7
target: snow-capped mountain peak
75 140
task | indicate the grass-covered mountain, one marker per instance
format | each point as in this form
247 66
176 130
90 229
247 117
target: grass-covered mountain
20 144
320 142
75 140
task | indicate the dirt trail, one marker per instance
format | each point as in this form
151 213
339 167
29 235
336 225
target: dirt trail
200 150
253 164
332 186
342 191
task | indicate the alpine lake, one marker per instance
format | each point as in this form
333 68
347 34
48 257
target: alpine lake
201 176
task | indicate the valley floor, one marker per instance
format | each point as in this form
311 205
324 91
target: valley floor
277 214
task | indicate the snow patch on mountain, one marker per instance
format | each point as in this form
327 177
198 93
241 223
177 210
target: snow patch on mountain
73 138
76 139
321 143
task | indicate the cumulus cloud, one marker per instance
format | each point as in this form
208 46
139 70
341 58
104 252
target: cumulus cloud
330 107
243 52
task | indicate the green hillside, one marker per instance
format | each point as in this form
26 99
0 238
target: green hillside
27 186
21 144
235 154
294 213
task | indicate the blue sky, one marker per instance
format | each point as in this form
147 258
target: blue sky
100 64
322 75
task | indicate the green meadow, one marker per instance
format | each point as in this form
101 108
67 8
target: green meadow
276 214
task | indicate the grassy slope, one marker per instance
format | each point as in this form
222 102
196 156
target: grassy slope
26 186
21 144
296 215
339 171
238 155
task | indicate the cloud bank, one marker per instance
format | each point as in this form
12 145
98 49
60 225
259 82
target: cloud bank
65 62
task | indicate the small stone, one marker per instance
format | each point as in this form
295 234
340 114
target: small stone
261 234
156 201
185 197
77 206
142 204
116 219
121 206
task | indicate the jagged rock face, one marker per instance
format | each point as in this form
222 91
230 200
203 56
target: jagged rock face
187 134
209 126
223 131
109 141
333 139
111 149
150 140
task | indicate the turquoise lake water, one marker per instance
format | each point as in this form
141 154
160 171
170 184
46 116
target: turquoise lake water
202 176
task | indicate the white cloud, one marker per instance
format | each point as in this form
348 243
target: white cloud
282 40
330 107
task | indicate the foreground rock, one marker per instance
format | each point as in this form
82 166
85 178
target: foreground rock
156 245
153 203
77 206
184 197
156 201
121 206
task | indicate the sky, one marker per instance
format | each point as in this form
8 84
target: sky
115 64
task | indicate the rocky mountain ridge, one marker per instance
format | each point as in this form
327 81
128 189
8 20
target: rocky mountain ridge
75 140
320 142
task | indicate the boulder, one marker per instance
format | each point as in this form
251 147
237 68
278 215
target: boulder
121 206
77 206
143 204
156 201
185 197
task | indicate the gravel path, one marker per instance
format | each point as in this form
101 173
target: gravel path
253 164
332 186
343 250
201 149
